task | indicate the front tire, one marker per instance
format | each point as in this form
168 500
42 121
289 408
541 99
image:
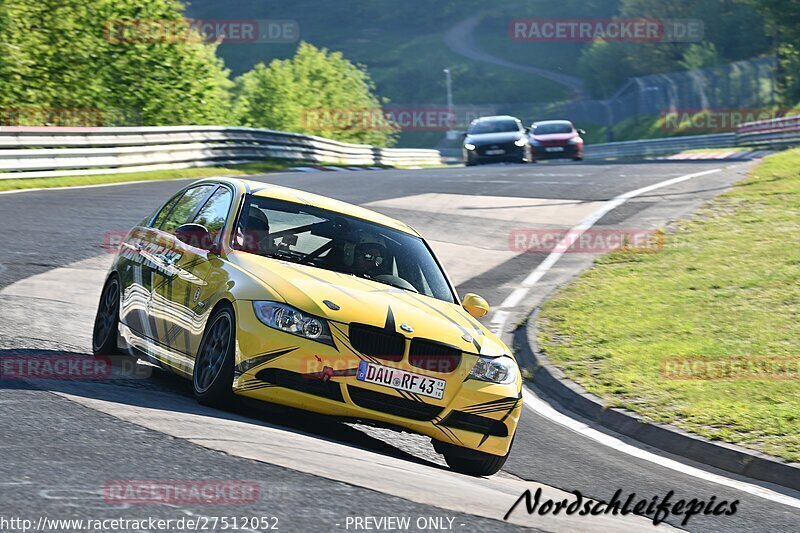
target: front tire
106 321
212 377
471 462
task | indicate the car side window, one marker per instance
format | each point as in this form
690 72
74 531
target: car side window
162 214
185 209
215 212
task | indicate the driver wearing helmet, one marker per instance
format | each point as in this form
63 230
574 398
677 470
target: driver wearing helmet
366 255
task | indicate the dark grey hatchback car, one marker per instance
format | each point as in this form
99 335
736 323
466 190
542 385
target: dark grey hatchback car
496 139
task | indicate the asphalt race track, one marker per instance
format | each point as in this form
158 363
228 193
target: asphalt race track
62 441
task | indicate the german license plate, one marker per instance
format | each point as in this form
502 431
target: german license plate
495 152
555 149
401 380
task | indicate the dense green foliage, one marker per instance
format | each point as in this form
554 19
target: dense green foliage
56 55
402 43
606 65
137 62
316 92
783 20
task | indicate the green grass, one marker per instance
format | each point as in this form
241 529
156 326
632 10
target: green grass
205 172
726 284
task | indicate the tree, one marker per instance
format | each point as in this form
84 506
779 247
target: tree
699 55
316 92
59 54
47 56
175 80
605 65
783 22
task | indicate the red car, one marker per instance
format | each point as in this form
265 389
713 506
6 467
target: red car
556 139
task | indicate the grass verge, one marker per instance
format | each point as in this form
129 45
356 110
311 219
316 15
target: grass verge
725 288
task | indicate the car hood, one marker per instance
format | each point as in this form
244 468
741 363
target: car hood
369 302
494 138
554 137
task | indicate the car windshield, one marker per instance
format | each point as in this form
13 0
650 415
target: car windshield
325 239
493 126
552 127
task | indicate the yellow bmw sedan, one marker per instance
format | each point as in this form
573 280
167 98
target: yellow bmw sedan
284 296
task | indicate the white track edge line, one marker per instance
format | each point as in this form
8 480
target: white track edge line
544 409
573 234
70 187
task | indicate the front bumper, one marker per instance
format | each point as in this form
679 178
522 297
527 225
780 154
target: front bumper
286 369
513 154
570 151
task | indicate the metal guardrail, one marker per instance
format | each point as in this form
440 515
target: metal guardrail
773 133
648 147
777 132
52 152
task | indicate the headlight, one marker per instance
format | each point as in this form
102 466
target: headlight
521 141
469 146
286 318
574 140
500 370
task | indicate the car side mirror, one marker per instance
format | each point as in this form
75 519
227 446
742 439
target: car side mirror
582 132
475 305
196 235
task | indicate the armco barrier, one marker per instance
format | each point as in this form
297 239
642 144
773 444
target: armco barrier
777 132
773 133
46 152
647 147
50 152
